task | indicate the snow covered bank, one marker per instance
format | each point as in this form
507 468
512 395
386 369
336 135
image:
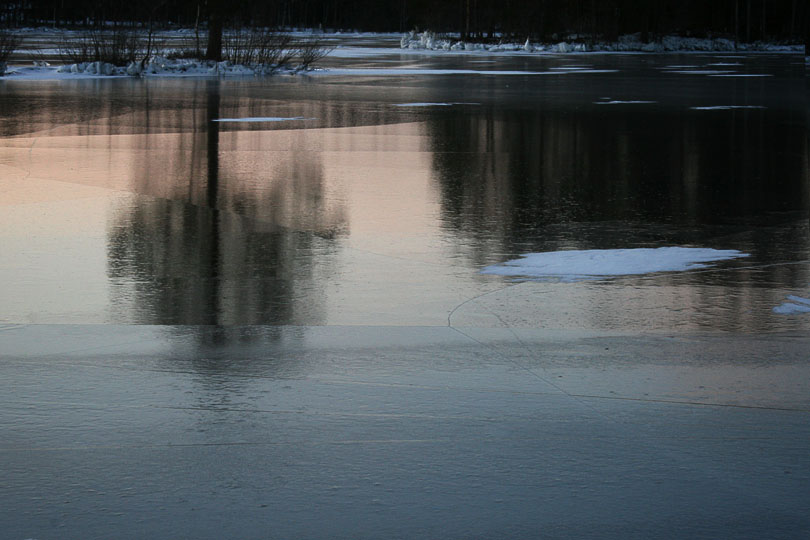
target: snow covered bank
628 43
577 265
157 66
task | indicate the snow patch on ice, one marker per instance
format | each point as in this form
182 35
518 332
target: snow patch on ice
796 305
573 69
701 72
619 102
743 75
727 107
577 265
262 119
434 104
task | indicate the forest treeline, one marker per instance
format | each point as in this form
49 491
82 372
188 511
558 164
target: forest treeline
742 20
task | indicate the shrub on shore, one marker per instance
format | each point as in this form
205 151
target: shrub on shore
9 42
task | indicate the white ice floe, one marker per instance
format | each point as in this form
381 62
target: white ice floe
701 72
577 265
727 107
620 102
743 75
796 305
434 104
263 119
428 71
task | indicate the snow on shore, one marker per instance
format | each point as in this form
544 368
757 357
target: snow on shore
628 43
158 66
577 265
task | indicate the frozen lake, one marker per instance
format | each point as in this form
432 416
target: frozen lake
256 306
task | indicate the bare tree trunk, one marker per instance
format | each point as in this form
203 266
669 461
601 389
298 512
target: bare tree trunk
467 22
807 33
215 15
748 22
736 23
762 21
804 18
197 33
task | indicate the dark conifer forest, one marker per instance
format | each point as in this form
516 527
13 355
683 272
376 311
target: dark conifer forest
742 20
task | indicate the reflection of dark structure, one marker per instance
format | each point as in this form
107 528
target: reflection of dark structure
596 177
225 231
513 181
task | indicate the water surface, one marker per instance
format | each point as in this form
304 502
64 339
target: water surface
125 201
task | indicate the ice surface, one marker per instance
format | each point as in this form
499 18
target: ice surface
743 75
796 305
263 119
576 265
727 107
434 104
701 72
619 102
428 71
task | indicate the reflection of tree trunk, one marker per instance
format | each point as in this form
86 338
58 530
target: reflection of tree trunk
209 245
212 142
212 192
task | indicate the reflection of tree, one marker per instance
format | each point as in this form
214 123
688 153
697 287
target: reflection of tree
225 232
517 182
506 177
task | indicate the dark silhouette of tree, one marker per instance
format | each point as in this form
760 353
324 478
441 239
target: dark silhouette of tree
745 20
216 15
